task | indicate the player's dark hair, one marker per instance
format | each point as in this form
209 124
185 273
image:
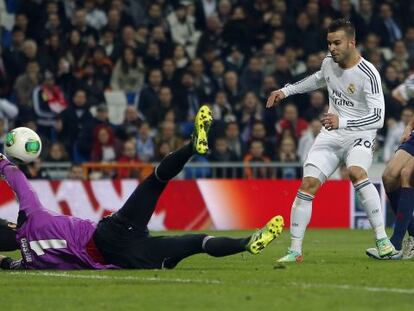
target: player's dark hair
342 24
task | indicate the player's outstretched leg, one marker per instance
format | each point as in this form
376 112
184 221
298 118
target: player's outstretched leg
167 252
138 209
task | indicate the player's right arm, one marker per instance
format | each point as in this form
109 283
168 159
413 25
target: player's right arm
308 84
28 200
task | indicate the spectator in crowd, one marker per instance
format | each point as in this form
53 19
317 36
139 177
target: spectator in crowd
170 73
256 155
26 83
57 153
235 60
188 98
129 127
251 110
211 37
232 88
252 77
268 55
317 105
105 146
180 57
259 133
168 133
306 141
387 26
144 143
222 153
182 27
129 155
48 102
76 172
291 120
128 74
163 148
149 94
74 127
202 82
95 17
13 56
156 114
287 153
216 75
221 107
234 141
76 51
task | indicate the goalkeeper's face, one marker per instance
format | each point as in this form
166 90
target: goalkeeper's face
341 46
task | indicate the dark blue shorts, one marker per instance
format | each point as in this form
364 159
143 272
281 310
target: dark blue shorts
408 145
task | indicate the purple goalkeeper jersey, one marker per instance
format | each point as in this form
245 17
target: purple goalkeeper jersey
49 240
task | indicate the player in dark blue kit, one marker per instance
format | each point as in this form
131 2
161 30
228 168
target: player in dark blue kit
398 182
48 240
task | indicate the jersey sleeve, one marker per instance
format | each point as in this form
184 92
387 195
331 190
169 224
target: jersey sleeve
374 97
308 84
28 199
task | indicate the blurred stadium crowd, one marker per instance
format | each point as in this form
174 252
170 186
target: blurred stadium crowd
64 63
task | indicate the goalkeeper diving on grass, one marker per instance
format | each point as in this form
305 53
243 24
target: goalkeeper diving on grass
48 240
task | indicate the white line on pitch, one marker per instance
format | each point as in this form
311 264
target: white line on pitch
199 281
122 278
356 287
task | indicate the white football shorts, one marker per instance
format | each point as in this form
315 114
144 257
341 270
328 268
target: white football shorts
332 148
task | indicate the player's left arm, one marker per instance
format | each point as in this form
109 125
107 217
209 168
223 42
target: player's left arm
7 263
28 199
374 99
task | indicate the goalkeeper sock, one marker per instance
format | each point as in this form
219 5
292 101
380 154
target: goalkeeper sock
300 216
219 247
370 201
404 216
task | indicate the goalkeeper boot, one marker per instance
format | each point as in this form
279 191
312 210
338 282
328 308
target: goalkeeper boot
261 238
202 124
373 253
291 256
384 247
408 248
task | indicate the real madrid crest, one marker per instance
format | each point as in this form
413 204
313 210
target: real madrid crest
351 89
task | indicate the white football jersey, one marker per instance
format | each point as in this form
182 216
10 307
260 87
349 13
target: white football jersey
355 94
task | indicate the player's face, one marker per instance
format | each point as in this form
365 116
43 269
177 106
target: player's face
340 46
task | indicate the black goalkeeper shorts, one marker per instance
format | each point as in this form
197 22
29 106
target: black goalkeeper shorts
133 248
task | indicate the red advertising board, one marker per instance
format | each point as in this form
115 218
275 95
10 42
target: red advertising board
192 204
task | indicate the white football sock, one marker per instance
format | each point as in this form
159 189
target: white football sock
300 216
370 201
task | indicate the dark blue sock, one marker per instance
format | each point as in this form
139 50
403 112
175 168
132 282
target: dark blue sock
394 198
403 217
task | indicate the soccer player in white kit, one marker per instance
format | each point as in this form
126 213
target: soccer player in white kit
356 112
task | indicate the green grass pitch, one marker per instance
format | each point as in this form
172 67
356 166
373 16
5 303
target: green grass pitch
335 275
